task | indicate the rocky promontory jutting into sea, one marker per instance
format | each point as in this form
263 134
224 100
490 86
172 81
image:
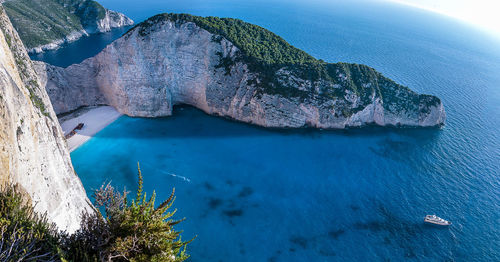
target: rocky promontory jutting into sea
234 69
48 24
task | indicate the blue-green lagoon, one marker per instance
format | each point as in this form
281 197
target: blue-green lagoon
252 194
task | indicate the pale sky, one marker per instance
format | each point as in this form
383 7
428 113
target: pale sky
483 13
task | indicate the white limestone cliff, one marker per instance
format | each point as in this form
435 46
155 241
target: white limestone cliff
112 19
148 71
33 152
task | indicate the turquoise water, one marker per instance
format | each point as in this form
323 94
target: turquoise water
251 194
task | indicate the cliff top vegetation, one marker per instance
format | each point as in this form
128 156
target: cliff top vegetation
40 22
136 230
266 53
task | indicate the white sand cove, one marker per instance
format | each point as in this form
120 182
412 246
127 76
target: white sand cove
94 120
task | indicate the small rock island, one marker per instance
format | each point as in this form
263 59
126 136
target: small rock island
231 68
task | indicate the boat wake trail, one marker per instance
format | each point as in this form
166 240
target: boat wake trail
181 177
173 175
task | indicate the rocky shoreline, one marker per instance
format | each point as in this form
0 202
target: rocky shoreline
149 70
49 24
58 43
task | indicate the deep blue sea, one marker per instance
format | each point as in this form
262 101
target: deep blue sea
251 194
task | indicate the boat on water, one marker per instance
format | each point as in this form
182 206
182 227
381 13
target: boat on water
433 219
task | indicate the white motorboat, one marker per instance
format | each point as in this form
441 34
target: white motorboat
433 219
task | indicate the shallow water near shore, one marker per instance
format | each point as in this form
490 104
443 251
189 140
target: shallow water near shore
252 194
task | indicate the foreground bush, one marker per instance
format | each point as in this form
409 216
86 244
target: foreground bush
24 235
135 231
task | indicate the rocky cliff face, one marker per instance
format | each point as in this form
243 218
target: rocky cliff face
110 20
47 24
162 63
33 151
95 18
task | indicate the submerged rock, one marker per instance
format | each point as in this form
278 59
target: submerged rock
230 68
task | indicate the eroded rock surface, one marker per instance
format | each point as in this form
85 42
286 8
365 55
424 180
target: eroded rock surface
33 151
162 63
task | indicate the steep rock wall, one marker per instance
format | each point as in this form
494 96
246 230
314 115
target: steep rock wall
33 151
164 63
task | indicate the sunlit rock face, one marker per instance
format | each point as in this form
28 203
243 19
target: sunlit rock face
33 151
163 63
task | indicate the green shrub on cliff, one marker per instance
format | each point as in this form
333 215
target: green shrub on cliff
128 231
40 22
255 42
266 53
24 235
23 64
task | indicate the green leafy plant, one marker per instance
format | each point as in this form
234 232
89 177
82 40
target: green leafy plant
25 235
128 231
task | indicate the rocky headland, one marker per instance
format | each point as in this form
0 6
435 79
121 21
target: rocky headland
47 24
234 69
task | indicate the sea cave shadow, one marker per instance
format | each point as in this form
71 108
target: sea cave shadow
187 121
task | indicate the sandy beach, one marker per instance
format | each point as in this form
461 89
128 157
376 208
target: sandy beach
94 120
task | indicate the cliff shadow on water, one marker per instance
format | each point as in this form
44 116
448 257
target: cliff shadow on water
188 121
